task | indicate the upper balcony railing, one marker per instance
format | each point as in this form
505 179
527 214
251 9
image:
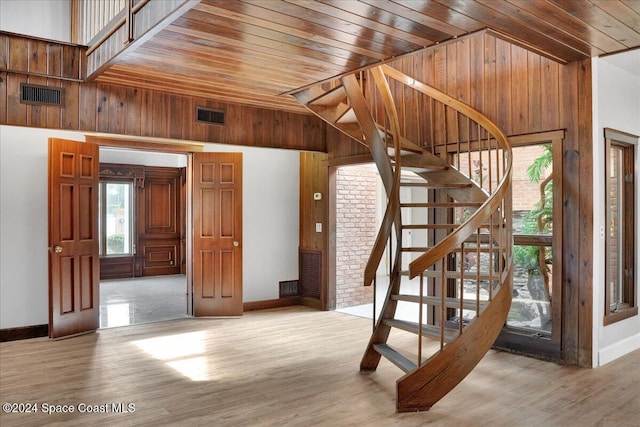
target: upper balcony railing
109 27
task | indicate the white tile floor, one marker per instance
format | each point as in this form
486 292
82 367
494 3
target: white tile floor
142 300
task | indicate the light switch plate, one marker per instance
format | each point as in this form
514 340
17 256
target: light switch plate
318 227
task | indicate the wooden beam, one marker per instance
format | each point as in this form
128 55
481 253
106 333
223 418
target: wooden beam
143 143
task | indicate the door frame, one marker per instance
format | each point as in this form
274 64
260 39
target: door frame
170 147
521 340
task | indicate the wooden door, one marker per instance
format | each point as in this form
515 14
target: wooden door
74 264
217 234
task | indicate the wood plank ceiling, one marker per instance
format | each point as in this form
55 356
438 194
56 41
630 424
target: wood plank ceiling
256 51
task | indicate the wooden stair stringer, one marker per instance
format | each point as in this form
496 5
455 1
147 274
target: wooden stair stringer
422 388
371 357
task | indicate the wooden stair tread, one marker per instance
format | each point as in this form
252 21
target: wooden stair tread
441 205
421 162
427 330
468 304
348 116
331 97
469 249
331 114
435 185
441 226
467 275
395 357
309 94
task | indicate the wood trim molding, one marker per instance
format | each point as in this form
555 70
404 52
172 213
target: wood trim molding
536 138
272 303
350 160
145 143
24 332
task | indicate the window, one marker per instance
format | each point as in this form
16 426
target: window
533 218
116 218
620 274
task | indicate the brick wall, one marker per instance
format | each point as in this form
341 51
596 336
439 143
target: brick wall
525 193
356 230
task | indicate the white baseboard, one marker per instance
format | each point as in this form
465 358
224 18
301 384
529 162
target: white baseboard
614 351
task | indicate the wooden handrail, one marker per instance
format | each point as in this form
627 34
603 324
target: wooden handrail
481 215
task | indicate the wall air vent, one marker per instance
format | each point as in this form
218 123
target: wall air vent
205 115
40 95
310 269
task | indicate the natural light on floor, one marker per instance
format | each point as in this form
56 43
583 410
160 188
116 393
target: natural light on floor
181 352
118 315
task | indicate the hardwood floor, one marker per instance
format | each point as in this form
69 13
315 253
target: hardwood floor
295 367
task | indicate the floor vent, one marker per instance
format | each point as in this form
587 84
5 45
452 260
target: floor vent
205 115
289 288
40 95
310 273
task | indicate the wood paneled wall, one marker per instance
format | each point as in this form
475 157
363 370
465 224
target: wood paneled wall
111 109
519 90
314 179
159 221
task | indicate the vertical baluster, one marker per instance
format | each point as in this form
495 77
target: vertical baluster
432 125
489 159
461 296
420 320
478 269
373 316
491 258
445 122
469 162
443 308
499 173
457 149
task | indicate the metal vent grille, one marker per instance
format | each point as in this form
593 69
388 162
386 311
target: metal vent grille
310 273
205 115
40 95
289 288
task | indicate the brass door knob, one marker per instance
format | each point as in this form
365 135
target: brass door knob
56 249
236 243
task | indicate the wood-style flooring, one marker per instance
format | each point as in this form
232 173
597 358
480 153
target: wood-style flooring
289 367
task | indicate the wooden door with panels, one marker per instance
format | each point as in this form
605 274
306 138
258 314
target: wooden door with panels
74 265
217 234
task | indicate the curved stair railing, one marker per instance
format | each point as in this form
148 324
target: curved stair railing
450 243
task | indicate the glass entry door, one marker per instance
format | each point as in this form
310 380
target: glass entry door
534 322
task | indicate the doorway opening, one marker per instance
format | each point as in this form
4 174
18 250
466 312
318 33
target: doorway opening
359 207
142 214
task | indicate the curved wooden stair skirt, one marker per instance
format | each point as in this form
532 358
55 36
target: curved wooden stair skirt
450 244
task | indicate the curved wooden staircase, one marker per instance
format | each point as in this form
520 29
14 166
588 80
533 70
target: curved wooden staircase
450 245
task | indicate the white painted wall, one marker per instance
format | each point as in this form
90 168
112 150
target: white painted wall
25 17
271 231
270 221
23 225
144 158
616 105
